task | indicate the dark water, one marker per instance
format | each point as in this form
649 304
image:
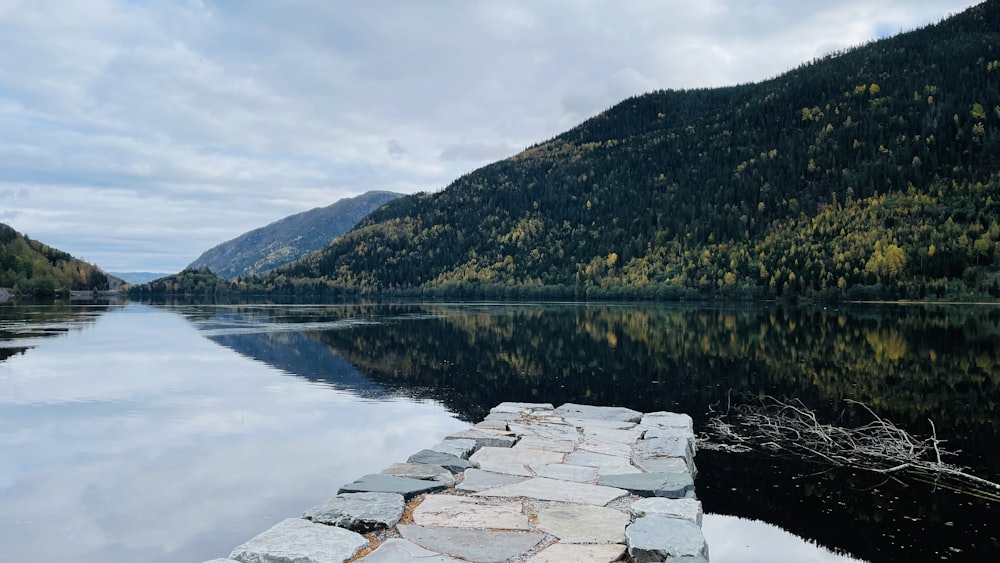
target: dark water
184 403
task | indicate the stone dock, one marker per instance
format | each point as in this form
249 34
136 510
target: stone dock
530 483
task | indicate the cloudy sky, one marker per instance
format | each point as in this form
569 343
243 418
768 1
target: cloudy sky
138 133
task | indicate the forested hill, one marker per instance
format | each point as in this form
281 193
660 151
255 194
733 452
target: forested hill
288 239
28 267
870 173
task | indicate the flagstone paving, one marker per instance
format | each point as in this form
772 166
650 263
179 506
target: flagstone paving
532 484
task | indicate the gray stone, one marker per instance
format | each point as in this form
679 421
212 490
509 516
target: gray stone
521 408
679 445
547 444
452 511
661 538
563 552
605 464
397 550
475 545
514 461
477 480
574 523
451 463
541 488
359 512
458 448
564 472
623 451
683 508
493 423
570 410
670 485
300 541
220 560
485 438
378 483
665 419
421 471
663 464
555 431
596 423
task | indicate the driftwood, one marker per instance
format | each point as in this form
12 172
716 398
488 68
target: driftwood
879 446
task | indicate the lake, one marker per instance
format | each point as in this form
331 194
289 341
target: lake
175 432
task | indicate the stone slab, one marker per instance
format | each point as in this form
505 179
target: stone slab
678 445
485 438
661 538
492 424
663 419
541 488
521 408
595 423
545 430
565 472
422 471
564 553
465 512
474 545
683 508
547 444
670 485
378 483
574 523
450 462
605 464
663 464
514 461
461 448
477 480
397 550
616 449
571 410
359 512
300 541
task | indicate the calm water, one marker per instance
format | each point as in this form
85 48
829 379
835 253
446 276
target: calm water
174 433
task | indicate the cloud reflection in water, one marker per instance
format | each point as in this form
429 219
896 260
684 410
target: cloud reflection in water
138 439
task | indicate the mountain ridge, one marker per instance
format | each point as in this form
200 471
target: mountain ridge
285 240
869 173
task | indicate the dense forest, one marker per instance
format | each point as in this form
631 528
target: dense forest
28 267
869 173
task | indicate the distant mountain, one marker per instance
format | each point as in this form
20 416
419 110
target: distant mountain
139 277
870 173
28 267
289 239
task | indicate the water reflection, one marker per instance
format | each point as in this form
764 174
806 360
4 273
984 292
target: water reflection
751 541
910 364
138 440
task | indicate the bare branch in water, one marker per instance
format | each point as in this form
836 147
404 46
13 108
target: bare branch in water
879 446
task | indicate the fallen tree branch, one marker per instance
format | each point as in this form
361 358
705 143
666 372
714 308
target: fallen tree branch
880 446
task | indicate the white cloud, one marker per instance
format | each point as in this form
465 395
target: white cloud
146 132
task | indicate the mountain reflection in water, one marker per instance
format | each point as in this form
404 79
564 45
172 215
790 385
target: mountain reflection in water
910 364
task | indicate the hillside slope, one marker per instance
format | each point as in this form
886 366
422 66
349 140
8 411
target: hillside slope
28 267
871 172
288 239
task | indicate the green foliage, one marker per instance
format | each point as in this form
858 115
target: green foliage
192 281
832 180
31 268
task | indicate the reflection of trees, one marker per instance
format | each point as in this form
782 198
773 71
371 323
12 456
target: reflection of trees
27 322
909 365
